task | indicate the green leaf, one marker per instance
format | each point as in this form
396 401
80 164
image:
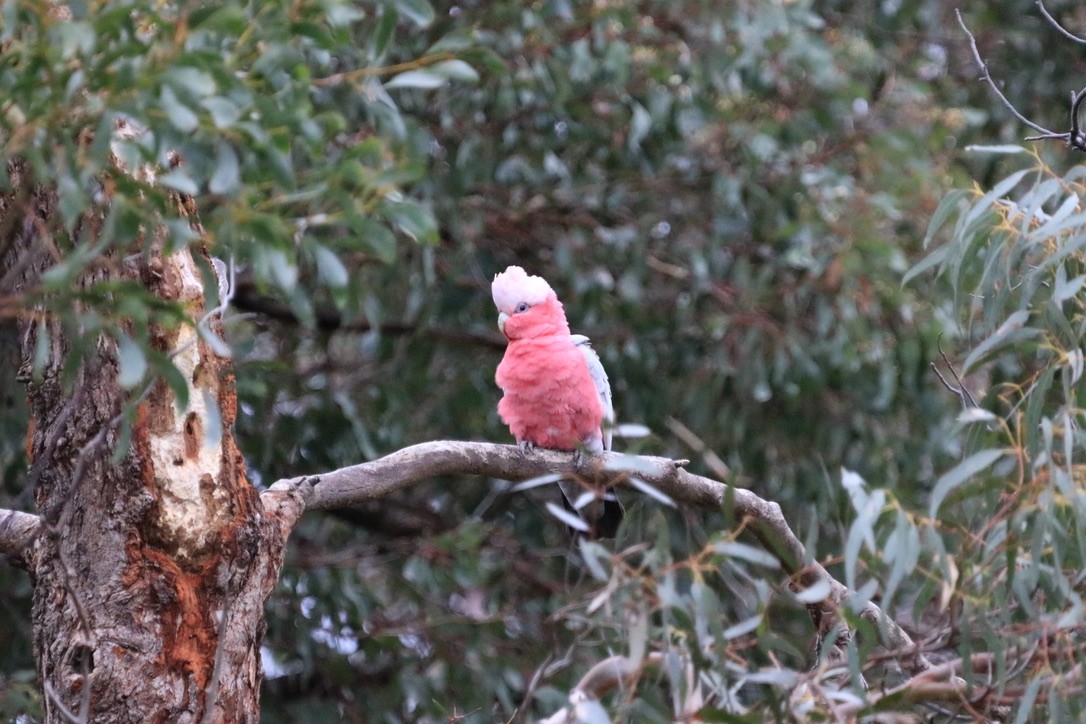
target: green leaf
456 70
595 556
42 347
1008 333
813 594
181 233
951 203
181 116
224 112
454 42
419 12
193 80
330 268
933 259
75 37
485 58
413 218
732 549
228 19
984 205
960 473
424 79
131 362
218 346
72 199
382 34
227 176
179 181
640 125
375 236
175 380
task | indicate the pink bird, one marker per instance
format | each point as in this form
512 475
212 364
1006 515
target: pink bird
556 391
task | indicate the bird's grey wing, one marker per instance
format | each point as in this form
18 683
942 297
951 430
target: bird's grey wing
603 386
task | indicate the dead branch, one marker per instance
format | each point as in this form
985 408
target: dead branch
1074 138
1056 24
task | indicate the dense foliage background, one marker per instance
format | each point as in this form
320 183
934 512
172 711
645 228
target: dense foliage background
727 197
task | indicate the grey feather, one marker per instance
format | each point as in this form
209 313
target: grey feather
604 516
603 386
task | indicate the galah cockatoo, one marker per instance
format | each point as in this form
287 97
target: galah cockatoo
556 392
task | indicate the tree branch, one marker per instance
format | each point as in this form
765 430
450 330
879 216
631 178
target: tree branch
326 319
1056 24
1075 138
17 533
763 518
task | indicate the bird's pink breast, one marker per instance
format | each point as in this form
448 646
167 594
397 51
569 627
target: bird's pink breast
550 399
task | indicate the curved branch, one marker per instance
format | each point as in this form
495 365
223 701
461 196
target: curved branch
17 533
763 518
991 84
1056 24
1075 138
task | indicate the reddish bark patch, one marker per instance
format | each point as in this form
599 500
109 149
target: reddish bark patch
184 601
31 424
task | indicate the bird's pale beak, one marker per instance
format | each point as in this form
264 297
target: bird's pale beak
502 319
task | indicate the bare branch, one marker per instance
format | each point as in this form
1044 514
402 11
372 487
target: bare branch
991 83
1075 138
330 320
763 518
17 534
1056 24
961 391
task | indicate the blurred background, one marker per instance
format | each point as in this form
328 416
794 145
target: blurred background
725 196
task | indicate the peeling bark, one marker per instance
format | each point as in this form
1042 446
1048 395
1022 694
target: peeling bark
150 573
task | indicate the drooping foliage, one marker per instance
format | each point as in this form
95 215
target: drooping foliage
727 199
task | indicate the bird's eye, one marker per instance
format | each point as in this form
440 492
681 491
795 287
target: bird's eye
522 307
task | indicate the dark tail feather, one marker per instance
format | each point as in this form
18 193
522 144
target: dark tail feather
601 524
607 524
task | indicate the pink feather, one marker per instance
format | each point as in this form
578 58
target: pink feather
550 398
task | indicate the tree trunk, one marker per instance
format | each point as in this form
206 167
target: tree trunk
151 571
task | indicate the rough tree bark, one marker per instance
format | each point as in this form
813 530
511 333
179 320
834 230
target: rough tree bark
150 574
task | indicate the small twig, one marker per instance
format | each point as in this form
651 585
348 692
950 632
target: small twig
991 83
961 391
54 698
369 72
1056 24
1075 138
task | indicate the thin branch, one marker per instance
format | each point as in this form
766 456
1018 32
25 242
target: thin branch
961 391
764 519
995 88
1075 138
374 71
52 697
330 320
1056 24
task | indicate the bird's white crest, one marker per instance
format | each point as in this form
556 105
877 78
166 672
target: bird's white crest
514 285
